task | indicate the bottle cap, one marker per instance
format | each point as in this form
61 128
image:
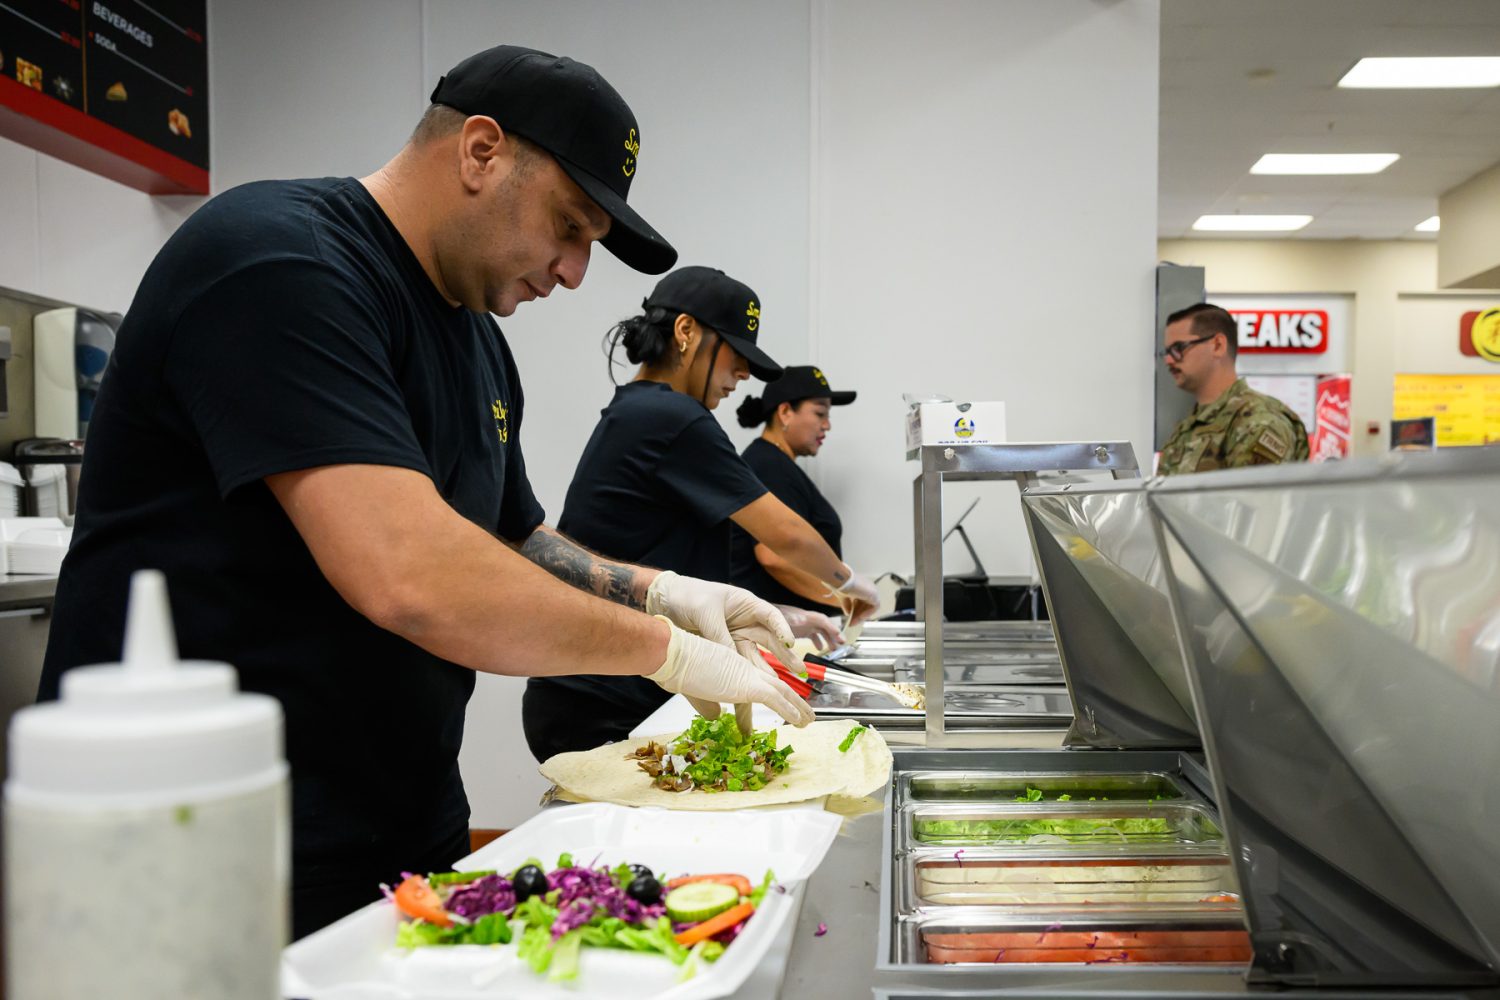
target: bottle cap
150 728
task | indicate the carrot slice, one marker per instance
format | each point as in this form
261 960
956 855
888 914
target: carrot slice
740 883
416 899
713 925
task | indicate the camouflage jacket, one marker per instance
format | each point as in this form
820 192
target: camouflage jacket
1241 427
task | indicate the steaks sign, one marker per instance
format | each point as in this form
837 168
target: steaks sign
1282 331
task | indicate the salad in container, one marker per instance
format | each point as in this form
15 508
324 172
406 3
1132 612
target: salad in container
549 917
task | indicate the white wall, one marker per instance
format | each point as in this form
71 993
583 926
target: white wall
1467 254
71 235
1427 327
956 196
986 198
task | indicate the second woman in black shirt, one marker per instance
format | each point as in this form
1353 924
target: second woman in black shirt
659 483
794 411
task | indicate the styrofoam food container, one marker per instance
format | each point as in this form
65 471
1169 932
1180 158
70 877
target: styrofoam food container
356 958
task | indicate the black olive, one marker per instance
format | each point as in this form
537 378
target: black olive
530 881
645 890
639 870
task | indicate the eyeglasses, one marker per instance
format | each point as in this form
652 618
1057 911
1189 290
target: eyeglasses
1175 351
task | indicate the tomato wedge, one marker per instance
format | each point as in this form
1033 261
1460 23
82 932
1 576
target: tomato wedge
416 899
713 925
740 883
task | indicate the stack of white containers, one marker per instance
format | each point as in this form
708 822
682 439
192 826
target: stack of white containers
49 485
33 545
11 484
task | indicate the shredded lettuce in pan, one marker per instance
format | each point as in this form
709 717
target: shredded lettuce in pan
990 831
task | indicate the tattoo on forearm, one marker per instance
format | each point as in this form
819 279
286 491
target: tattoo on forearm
574 564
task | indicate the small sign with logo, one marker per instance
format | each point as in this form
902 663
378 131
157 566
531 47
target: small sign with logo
1282 331
1479 334
954 424
1414 434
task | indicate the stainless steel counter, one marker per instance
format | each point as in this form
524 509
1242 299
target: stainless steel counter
18 590
844 893
25 617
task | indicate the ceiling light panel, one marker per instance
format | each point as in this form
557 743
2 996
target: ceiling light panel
1251 223
1424 72
1323 163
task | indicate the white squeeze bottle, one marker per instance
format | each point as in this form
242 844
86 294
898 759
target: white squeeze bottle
146 829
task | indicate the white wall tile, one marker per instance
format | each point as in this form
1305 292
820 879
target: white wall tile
18 216
979 242
97 236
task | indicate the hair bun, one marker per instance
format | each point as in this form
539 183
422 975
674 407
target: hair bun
752 412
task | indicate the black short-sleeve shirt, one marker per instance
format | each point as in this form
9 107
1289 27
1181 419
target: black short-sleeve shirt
286 326
786 480
656 485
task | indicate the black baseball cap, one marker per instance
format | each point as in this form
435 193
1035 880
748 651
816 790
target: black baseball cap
572 112
716 300
802 382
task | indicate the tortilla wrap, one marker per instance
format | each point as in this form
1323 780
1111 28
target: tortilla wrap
815 770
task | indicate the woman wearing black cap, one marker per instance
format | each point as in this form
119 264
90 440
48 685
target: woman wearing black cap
794 411
660 483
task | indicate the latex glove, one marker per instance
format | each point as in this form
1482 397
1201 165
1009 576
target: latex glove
821 629
859 599
723 614
708 674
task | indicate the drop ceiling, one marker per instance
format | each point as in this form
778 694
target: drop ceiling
1240 78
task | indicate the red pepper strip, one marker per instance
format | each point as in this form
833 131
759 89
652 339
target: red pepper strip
714 925
740 883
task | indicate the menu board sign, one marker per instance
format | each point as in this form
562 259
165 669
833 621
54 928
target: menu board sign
119 87
1465 408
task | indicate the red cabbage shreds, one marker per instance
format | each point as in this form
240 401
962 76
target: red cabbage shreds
572 916
726 936
596 892
480 898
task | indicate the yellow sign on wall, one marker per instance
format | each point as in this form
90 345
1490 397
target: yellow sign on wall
1466 407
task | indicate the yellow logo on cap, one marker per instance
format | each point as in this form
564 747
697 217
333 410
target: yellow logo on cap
754 313
818 374
633 147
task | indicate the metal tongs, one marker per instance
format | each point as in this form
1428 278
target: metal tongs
821 671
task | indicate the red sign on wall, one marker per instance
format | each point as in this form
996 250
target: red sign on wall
1282 331
1330 437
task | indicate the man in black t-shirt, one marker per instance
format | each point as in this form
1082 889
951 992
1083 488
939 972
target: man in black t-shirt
311 424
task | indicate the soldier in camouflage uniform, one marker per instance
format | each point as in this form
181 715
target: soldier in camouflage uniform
1232 425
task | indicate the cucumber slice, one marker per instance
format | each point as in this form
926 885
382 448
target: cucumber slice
697 901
